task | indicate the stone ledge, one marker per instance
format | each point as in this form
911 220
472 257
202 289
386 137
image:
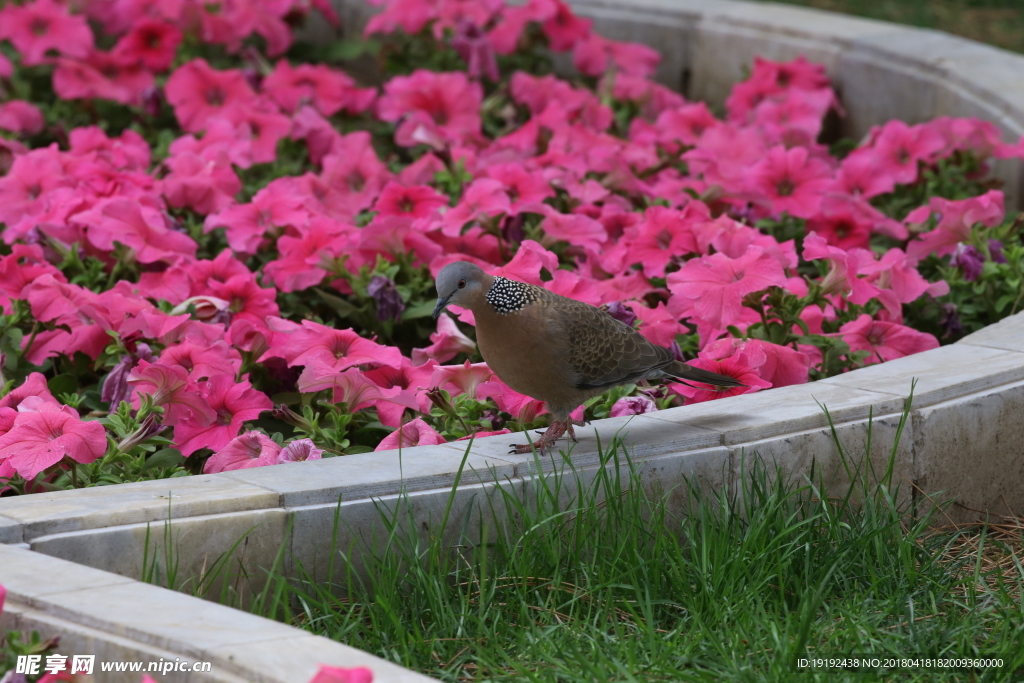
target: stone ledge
241 646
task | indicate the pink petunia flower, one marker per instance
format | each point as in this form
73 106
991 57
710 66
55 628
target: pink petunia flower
169 386
716 284
299 450
43 437
252 449
736 366
885 340
337 674
790 180
101 76
337 349
956 219
461 379
203 185
34 385
37 27
432 108
233 403
413 433
246 225
151 43
140 226
18 116
483 200
197 92
327 89
448 342
780 365
521 407
900 147
633 405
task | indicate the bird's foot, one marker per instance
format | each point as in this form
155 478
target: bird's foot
554 432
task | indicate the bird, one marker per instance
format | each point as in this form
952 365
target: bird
553 348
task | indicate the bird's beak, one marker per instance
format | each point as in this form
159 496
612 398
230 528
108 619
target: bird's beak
442 301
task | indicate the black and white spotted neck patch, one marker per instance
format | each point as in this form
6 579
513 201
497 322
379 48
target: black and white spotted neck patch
509 296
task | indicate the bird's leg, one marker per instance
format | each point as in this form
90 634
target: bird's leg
572 434
550 437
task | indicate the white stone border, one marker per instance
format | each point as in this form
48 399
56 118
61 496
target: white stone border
963 437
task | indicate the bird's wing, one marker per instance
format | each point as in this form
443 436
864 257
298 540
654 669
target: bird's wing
603 351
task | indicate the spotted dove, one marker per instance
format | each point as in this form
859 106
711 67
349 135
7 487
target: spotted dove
555 349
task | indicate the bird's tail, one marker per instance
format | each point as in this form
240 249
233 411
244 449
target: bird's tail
682 371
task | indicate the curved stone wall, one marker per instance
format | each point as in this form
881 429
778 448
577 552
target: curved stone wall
963 436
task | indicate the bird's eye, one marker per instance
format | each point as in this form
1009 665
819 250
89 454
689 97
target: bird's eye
462 283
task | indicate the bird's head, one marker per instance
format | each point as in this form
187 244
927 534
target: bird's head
462 284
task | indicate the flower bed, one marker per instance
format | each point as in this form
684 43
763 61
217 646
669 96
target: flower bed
216 261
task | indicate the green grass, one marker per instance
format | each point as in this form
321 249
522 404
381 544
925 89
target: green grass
998 22
597 581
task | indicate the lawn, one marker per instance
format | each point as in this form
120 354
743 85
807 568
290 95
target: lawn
606 584
999 22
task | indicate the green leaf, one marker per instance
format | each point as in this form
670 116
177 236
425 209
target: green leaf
165 458
65 383
420 310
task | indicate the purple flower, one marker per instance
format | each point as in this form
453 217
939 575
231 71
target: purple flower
995 251
969 260
621 312
950 321
388 300
677 352
299 450
474 47
115 385
633 405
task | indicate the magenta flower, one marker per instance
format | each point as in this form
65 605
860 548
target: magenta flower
246 225
461 379
41 438
197 92
413 433
475 49
327 89
169 386
716 284
448 342
204 185
956 219
519 406
336 349
357 391
252 449
885 340
151 43
790 180
37 27
736 366
233 403
34 385
299 450
484 199
663 235
337 674
633 405
432 108
202 359
779 365
101 75
416 201
900 147
142 227
843 277
18 116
